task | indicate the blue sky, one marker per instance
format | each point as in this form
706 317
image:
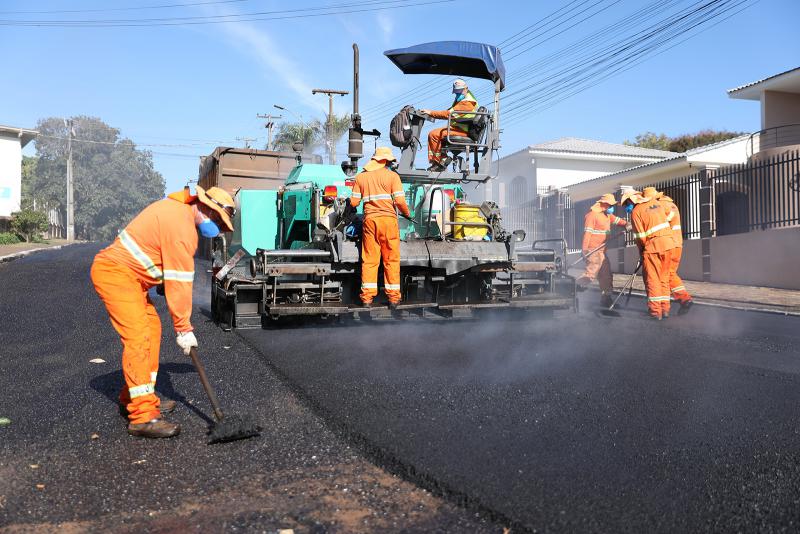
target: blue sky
187 88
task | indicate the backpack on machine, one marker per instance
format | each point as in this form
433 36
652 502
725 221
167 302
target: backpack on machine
400 128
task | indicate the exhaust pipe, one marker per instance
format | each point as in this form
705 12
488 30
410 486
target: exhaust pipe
355 143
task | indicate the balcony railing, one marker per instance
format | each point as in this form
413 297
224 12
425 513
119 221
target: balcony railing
774 137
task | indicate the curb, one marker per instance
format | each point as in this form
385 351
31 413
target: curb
740 307
17 255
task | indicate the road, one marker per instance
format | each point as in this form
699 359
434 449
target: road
579 424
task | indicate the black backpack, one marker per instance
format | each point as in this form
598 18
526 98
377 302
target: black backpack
400 128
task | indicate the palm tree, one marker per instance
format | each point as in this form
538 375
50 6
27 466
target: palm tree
297 132
332 131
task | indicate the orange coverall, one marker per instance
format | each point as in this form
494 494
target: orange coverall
676 286
654 236
380 190
157 246
438 135
596 229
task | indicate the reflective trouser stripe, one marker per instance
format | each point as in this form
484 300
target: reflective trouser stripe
395 287
139 391
657 299
678 289
369 285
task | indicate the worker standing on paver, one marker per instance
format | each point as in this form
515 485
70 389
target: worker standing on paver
596 230
157 247
654 237
676 287
462 109
382 193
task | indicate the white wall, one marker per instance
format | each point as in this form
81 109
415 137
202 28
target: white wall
561 172
509 167
10 174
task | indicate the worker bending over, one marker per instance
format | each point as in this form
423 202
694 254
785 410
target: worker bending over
596 230
381 191
157 247
464 103
676 286
654 237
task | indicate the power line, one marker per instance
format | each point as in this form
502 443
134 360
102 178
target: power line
134 8
373 5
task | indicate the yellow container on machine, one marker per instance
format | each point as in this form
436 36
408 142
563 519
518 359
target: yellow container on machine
468 213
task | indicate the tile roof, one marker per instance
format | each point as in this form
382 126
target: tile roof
590 146
745 86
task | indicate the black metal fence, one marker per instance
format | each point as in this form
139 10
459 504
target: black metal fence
757 195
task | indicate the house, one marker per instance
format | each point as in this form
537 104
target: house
556 164
779 96
12 140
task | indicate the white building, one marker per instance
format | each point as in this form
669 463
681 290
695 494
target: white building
557 164
12 140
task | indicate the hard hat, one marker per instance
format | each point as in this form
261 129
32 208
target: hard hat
608 198
650 192
221 202
632 195
379 158
665 198
459 85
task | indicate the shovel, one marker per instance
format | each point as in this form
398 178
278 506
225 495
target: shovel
585 256
230 428
611 312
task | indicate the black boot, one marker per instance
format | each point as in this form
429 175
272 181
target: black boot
156 428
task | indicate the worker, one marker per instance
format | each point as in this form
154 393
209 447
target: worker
654 237
157 247
596 230
382 193
463 103
676 287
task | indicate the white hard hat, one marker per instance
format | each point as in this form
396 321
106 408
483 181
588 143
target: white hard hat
459 85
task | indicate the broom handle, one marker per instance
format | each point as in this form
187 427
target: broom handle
206 385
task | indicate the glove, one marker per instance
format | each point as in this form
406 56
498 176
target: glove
186 341
629 227
160 289
349 213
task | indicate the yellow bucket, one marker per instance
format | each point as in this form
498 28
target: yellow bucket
472 214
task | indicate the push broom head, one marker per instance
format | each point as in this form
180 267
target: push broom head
232 428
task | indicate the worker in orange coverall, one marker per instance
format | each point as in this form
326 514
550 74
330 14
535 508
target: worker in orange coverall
676 286
157 247
596 230
463 104
654 237
381 191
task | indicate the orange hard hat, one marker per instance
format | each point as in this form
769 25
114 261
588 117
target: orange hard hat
221 202
650 192
632 195
379 158
608 198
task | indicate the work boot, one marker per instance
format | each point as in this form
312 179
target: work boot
606 301
685 306
156 428
446 162
393 306
655 317
436 167
167 406
366 304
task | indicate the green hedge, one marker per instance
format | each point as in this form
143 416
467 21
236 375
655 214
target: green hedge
7 238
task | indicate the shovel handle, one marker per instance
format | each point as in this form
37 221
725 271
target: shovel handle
206 385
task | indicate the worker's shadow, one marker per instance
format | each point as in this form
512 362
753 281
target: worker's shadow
109 385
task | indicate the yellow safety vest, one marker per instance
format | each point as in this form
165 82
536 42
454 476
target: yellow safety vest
460 127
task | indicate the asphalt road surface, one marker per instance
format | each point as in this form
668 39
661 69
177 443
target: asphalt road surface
577 424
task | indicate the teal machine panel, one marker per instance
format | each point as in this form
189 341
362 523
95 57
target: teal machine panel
256 221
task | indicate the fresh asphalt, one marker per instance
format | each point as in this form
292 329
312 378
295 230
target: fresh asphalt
578 423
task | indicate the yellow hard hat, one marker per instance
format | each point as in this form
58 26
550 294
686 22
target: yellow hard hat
221 202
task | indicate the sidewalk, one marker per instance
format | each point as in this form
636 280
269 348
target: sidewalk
18 250
724 295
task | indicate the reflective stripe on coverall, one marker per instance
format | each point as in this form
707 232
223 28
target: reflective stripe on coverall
438 135
381 190
676 286
157 247
654 236
596 229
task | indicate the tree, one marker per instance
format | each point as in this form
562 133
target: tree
297 132
332 131
684 142
650 140
113 180
29 223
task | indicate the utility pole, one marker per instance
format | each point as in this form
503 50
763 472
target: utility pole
269 125
70 197
329 127
247 140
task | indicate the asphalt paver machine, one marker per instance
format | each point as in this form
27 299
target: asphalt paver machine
295 254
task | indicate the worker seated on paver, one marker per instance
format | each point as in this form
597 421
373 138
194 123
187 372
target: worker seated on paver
380 189
596 231
463 104
157 247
